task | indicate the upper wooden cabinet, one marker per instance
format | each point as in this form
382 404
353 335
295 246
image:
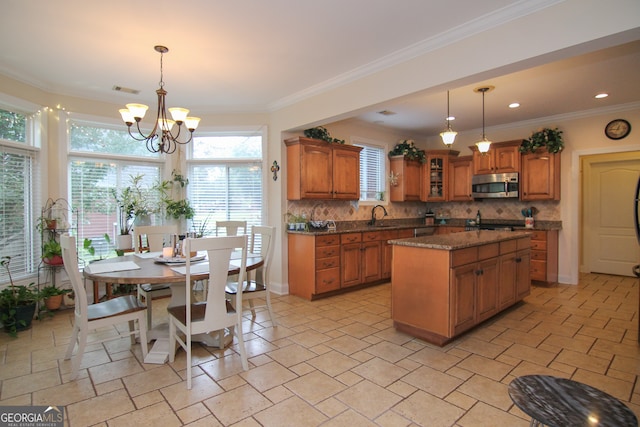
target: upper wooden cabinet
408 185
502 157
459 184
319 170
435 175
540 177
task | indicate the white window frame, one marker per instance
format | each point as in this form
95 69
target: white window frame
365 142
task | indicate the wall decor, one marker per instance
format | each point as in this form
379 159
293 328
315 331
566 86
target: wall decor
275 168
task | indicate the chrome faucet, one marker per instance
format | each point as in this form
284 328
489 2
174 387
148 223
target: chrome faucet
373 214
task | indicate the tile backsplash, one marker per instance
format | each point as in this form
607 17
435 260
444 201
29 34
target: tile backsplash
489 209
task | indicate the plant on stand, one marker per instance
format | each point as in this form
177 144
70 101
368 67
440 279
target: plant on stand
52 297
176 206
17 303
52 252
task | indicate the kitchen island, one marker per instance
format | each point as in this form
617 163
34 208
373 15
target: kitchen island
444 285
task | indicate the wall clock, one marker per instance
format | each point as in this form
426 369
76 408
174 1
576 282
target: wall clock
617 129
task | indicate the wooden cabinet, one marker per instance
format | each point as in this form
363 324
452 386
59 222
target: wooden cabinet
325 264
460 179
540 177
438 294
502 157
408 184
514 281
435 174
544 256
319 170
474 285
314 264
448 229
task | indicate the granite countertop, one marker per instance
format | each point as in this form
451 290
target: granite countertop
402 224
461 240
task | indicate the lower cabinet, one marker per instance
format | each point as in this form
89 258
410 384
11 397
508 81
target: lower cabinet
437 294
544 256
324 264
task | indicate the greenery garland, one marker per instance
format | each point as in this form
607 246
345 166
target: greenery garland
549 138
319 132
407 148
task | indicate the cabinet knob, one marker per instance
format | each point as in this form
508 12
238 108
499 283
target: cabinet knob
518 259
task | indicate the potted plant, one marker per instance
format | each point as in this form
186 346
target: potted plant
407 148
549 138
133 202
17 303
320 132
52 296
52 253
175 207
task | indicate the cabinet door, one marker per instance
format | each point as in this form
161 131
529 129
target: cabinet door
460 180
507 159
434 187
507 281
540 176
482 163
316 170
487 289
371 261
463 297
409 175
523 275
346 174
351 257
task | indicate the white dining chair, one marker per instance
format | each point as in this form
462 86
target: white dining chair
215 313
87 317
256 284
156 237
231 228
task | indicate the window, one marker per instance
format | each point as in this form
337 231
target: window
225 178
20 193
103 160
372 170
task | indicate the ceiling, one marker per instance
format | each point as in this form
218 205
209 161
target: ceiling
253 56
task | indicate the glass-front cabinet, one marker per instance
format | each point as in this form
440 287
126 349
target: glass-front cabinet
435 175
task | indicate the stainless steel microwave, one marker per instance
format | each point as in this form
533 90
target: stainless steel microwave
495 186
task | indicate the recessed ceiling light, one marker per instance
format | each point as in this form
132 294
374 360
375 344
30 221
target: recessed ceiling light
514 105
601 95
386 113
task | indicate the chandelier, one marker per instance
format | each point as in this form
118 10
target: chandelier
161 139
448 135
484 144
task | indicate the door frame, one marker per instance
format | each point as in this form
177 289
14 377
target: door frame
586 164
573 221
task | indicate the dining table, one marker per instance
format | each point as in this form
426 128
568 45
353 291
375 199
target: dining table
152 268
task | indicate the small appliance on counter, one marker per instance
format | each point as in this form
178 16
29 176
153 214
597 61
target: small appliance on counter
429 218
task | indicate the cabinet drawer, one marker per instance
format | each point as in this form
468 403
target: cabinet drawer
350 238
324 263
538 270
332 239
488 251
327 280
539 235
524 243
508 246
539 245
539 255
328 251
464 256
372 236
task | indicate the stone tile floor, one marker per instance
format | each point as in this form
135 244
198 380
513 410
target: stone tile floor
339 362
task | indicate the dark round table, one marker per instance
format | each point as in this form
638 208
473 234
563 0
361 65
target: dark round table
559 402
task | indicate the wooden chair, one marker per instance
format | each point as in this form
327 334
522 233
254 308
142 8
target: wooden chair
155 236
231 227
95 316
216 313
258 286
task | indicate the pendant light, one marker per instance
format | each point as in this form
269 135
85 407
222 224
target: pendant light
448 135
484 144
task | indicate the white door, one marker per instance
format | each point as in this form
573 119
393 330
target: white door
610 241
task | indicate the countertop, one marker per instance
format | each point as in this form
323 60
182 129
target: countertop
460 240
401 224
